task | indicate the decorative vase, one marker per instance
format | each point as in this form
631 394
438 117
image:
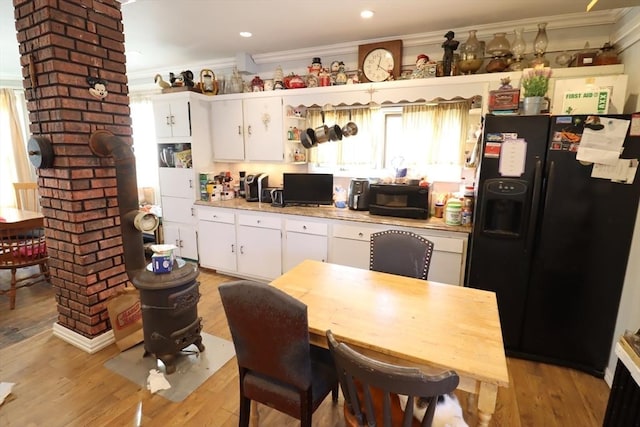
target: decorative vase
540 46
471 55
518 47
532 105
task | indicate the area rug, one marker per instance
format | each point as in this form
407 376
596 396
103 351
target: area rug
192 367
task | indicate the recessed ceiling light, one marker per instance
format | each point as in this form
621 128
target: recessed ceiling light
366 14
245 34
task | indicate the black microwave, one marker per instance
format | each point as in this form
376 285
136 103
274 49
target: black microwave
405 201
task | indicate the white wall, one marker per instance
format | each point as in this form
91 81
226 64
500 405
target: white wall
628 32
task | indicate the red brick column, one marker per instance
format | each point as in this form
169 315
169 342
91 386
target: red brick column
62 42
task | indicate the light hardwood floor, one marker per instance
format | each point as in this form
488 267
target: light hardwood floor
60 385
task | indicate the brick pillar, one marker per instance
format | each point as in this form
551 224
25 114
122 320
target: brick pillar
63 42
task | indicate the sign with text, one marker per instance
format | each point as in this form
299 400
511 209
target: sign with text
586 101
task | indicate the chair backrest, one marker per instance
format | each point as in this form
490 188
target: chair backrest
361 378
270 331
400 252
27 196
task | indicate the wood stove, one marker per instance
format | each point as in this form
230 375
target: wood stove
170 319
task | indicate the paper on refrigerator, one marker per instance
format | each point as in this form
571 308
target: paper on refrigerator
602 140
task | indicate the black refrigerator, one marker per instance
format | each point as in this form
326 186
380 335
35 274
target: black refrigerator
552 240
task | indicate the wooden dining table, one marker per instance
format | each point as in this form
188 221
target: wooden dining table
12 216
406 321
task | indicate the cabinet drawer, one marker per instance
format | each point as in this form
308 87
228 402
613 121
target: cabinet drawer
353 232
260 221
446 244
216 216
307 227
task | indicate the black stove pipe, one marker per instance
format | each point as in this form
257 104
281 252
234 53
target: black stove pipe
104 144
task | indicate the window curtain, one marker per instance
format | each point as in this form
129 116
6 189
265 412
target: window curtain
14 161
437 132
351 151
144 143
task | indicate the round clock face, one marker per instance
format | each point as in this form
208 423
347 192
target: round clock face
378 65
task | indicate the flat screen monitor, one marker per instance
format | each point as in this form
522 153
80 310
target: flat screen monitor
307 188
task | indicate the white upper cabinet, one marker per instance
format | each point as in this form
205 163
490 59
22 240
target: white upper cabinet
172 118
247 129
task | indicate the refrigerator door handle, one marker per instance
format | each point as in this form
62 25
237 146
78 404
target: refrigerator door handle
535 205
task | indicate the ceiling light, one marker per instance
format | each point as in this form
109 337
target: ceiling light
366 14
245 34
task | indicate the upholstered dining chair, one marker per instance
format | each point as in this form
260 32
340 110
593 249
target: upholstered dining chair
27 196
400 252
373 390
277 365
23 245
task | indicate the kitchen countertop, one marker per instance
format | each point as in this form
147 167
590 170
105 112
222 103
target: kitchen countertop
331 212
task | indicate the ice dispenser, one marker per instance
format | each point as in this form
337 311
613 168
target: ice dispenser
504 208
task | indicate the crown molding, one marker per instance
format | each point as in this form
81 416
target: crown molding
628 32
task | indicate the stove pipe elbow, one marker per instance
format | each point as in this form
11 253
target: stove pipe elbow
104 144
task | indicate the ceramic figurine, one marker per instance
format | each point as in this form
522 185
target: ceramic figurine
158 79
449 46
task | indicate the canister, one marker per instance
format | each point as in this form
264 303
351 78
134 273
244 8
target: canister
453 212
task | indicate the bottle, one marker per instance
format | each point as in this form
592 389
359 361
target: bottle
453 212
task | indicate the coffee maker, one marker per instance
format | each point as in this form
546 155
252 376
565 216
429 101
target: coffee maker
254 185
359 194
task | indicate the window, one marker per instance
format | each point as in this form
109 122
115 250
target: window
428 139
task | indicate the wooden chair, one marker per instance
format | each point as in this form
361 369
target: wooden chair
27 196
23 245
400 252
371 389
277 365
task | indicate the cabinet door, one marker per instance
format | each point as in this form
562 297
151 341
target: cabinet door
177 182
162 119
172 118
259 252
263 129
177 209
350 252
183 237
227 130
300 246
188 242
217 244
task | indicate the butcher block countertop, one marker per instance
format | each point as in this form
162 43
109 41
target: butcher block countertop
331 212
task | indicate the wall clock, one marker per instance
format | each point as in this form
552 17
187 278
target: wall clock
380 61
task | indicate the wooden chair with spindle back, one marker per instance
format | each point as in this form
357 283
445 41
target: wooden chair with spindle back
27 196
372 389
23 245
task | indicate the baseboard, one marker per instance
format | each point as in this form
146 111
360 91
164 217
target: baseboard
88 345
608 376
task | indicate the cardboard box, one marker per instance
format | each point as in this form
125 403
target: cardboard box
162 262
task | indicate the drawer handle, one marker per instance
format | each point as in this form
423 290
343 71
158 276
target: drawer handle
304 227
249 129
360 234
239 130
257 221
233 248
242 249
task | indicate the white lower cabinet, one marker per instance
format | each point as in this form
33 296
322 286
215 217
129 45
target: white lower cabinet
253 245
350 245
259 240
304 239
217 239
183 236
